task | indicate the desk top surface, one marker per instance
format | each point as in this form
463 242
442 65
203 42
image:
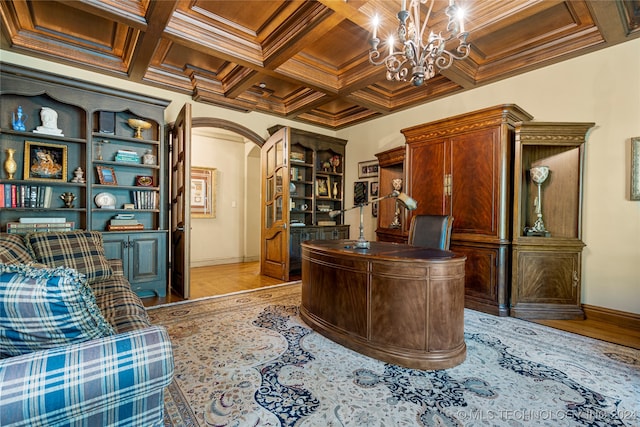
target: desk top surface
384 250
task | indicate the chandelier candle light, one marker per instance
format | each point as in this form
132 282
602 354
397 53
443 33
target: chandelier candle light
423 56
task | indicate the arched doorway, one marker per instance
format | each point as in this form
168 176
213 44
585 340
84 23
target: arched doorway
223 248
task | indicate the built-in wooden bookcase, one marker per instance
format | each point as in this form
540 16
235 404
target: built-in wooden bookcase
390 167
303 182
93 123
546 271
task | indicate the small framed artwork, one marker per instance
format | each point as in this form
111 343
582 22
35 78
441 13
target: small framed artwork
322 187
203 193
374 209
373 189
368 169
45 161
106 175
635 168
360 192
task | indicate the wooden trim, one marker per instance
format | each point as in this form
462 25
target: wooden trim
607 315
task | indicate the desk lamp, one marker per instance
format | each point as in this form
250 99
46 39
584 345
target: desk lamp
402 198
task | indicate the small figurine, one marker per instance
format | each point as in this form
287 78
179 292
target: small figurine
68 199
335 162
18 119
49 118
78 176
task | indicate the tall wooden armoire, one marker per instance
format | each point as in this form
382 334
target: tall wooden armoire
462 166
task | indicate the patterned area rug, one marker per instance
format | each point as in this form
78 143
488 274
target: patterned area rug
248 360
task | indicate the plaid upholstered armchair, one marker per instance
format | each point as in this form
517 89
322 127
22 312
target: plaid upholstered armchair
76 345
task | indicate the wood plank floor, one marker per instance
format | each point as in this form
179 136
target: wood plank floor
228 278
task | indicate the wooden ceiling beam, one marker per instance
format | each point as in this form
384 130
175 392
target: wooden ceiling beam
117 11
158 16
609 19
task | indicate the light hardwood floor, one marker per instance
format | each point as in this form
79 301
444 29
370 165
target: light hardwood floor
228 278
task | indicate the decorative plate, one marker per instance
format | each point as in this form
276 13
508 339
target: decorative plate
105 200
144 181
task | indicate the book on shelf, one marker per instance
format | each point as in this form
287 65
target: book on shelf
123 222
26 196
41 219
144 199
127 156
23 228
125 227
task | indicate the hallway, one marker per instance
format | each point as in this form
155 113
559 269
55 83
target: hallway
220 280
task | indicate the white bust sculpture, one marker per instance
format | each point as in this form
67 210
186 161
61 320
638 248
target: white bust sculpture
49 118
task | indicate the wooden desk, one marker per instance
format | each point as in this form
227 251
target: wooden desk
398 303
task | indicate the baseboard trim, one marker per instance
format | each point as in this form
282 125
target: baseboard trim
616 317
208 262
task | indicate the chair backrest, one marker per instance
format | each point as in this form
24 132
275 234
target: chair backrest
431 231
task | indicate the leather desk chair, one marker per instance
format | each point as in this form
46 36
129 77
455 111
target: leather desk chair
431 231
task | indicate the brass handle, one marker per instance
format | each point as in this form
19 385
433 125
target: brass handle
576 279
447 184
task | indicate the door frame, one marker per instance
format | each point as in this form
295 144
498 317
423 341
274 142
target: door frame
212 122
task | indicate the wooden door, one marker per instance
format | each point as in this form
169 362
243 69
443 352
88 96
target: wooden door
427 167
475 183
274 239
180 201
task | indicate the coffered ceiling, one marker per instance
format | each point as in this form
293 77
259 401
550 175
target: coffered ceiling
303 60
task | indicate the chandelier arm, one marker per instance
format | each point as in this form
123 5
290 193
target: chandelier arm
426 19
374 55
444 60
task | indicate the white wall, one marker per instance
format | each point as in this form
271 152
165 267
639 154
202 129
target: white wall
219 240
602 87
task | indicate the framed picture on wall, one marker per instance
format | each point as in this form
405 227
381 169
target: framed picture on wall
203 193
360 192
635 168
373 189
368 169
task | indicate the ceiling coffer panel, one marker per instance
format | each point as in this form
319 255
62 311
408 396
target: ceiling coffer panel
303 60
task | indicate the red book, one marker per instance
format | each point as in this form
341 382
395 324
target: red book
14 196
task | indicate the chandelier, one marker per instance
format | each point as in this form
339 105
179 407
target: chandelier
422 54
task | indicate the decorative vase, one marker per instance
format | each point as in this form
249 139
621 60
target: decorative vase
68 199
335 190
10 165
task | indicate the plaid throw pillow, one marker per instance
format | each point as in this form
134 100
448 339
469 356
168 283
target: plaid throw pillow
13 249
42 308
81 250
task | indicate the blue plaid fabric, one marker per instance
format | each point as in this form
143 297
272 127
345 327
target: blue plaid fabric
81 250
43 308
113 381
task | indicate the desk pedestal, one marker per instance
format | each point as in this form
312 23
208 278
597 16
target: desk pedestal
397 303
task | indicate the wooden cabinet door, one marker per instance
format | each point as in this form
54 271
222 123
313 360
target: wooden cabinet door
475 183
547 283
427 165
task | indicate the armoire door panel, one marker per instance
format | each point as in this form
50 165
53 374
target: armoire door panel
480 272
426 183
475 182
